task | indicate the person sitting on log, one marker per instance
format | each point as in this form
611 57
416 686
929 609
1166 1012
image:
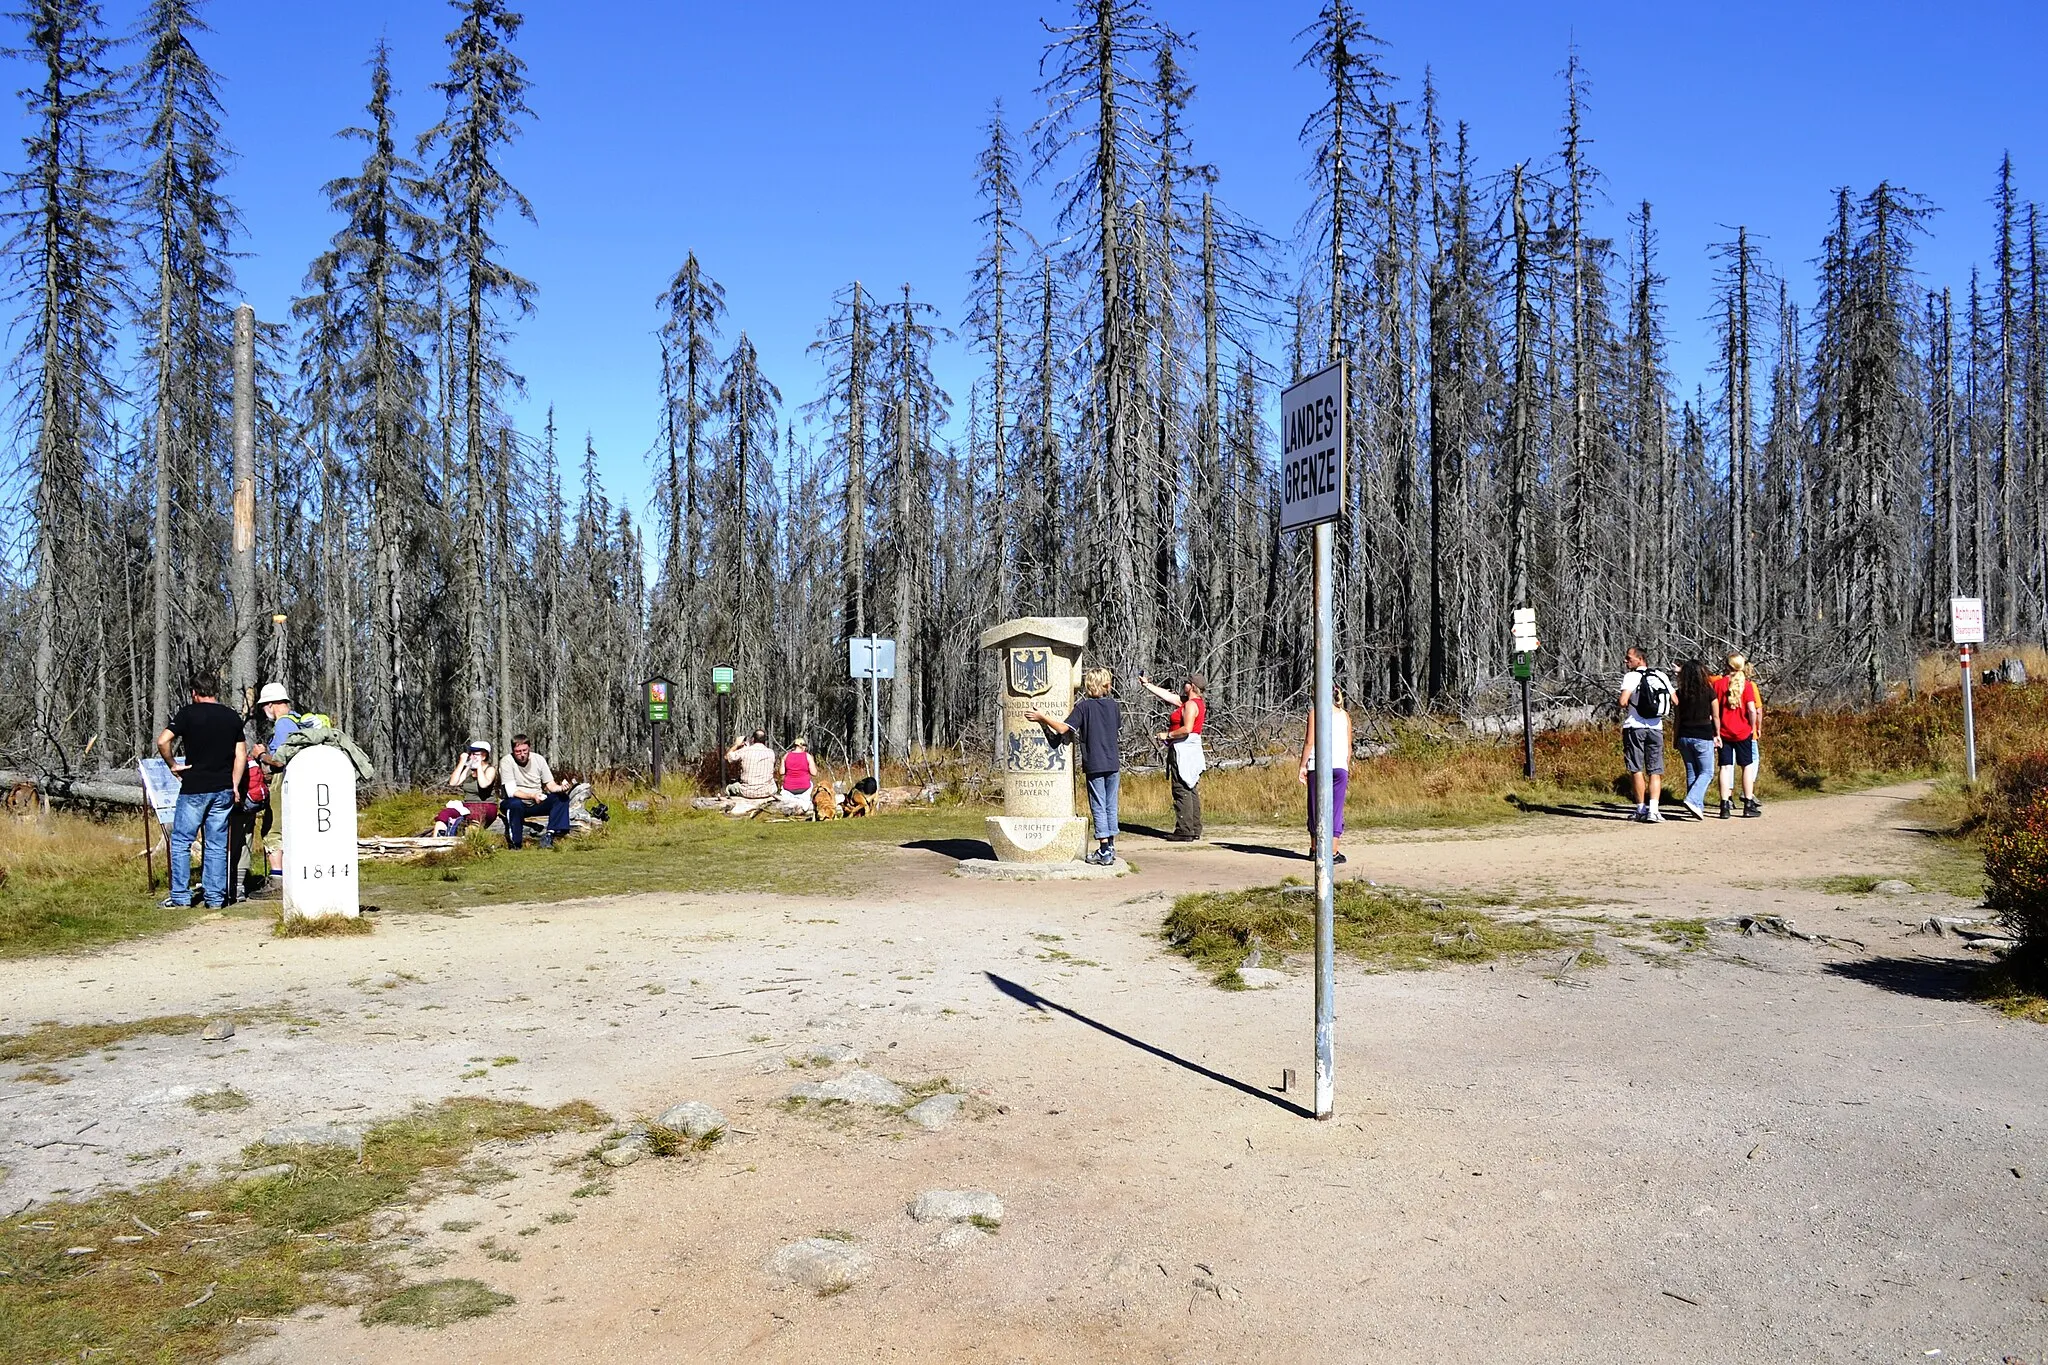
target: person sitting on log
475 779
532 789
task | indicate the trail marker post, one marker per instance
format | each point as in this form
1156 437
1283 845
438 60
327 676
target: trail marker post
1526 645
657 689
1966 628
721 687
1312 492
873 658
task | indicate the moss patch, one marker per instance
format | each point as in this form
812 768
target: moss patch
436 1303
1385 927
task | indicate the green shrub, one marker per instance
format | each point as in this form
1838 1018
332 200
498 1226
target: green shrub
2015 838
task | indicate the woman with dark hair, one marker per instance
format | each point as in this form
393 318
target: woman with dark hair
1699 731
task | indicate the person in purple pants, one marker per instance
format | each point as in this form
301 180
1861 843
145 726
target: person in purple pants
1340 771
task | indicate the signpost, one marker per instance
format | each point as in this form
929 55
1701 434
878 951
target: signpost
657 689
1966 628
1312 490
721 686
873 658
1526 644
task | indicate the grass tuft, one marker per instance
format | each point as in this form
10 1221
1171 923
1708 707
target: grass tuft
1381 926
326 926
436 1303
227 1099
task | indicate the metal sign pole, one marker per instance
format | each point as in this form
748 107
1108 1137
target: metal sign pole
1326 891
1969 722
874 717
1528 729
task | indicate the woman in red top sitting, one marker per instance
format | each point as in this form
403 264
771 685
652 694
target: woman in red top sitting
794 772
1184 756
1741 716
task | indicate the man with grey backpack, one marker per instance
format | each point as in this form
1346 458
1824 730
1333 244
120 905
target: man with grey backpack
1645 700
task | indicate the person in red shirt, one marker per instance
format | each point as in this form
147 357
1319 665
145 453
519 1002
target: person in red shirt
1185 758
1741 714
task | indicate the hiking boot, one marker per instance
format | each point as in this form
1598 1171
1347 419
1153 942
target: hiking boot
1337 858
1725 808
1751 808
547 838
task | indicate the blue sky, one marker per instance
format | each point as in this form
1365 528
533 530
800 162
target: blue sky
796 147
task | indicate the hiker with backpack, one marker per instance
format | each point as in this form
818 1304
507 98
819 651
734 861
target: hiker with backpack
1741 713
1645 700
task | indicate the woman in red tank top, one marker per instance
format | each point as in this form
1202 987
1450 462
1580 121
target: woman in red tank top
1184 756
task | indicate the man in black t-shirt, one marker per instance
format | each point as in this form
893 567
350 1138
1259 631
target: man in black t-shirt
216 753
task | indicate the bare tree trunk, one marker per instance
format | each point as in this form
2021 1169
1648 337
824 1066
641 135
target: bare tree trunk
243 581
1519 453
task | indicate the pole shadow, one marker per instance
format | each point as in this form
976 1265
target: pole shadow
960 850
1024 995
1266 851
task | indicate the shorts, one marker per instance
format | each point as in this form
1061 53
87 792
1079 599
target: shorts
1643 750
1737 753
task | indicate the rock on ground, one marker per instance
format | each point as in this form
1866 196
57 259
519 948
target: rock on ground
826 1054
625 1151
956 1206
1260 978
1893 887
821 1264
692 1118
936 1112
855 1087
958 1235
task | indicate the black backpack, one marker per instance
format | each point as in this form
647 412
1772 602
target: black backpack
1653 695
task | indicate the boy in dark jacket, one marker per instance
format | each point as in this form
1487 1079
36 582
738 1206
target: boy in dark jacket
1095 722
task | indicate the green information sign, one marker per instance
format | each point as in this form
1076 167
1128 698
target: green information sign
1522 667
657 698
721 680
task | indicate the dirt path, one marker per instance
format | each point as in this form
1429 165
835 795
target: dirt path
1769 1149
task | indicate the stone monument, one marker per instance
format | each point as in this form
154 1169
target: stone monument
320 835
1040 660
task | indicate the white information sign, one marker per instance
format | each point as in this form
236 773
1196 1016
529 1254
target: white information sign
319 822
870 656
1525 631
161 786
1966 620
1312 450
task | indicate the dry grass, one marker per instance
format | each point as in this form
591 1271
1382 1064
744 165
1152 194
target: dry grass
324 926
71 881
188 1270
54 1042
1942 671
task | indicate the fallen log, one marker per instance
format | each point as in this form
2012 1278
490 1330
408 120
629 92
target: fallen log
105 787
